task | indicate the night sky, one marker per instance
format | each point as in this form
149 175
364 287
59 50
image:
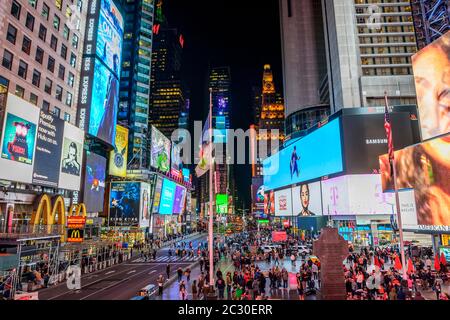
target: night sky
244 35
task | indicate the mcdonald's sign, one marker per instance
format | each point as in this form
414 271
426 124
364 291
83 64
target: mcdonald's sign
75 235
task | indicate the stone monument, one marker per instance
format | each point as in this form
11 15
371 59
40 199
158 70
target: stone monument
331 249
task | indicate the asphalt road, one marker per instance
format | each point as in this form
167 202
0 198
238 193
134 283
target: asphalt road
121 281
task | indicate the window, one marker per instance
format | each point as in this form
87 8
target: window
7 59
69 99
45 105
56 112
15 10
29 23
58 4
11 34
48 86
59 93
63 51
66 32
33 3
36 78
26 45
66 117
39 55
75 41
19 91
54 42
51 64
45 11
61 72
42 33
33 98
71 79
73 60
23 69
56 22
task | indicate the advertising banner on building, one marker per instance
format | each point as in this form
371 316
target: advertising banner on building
431 66
257 188
144 220
167 197
269 202
176 160
71 158
283 202
157 195
307 200
49 145
18 140
180 199
279 236
160 151
124 204
221 203
94 182
119 156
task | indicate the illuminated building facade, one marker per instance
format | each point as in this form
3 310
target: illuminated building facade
135 78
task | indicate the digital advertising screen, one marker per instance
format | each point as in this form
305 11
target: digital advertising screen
94 182
430 67
222 203
430 179
110 35
144 220
283 202
157 195
160 151
125 204
71 158
257 188
279 236
119 156
269 202
177 161
186 174
179 201
313 156
49 145
18 140
167 197
104 104
307 200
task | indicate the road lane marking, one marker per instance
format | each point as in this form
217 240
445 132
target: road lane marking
152 272
109 272
132 271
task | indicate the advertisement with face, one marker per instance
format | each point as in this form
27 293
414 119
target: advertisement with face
431 67
94 182
160 151
269 202
124 204
167 197
49 145
157 196
283 202
71 158
257 188
110 35
179 201
177 162
18 140
144 220
307 200
313 156
426 169
119 156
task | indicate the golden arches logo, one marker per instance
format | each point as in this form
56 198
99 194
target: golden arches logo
77 210
75 234
48 210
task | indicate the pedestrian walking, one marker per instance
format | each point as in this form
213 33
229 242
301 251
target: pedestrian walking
187 273
160 282
168 271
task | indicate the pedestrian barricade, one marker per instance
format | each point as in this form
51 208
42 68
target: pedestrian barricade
104 264
86 269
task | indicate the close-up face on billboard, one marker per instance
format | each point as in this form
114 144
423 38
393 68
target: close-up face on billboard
307 200
431 67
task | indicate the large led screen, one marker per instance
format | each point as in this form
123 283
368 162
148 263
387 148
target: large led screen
313 156
425 168
119 156
160 151
283 202
110 35
104 104
71 158
307 200
124 204
180 199
222 203
94 182
144 219
167 197
431 67
157 195
269 202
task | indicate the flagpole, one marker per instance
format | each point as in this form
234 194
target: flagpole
211 196
397 205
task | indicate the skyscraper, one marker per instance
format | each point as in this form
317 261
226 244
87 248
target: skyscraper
135 78
369 47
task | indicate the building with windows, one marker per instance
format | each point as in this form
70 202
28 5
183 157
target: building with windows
40 52
135 89
369 46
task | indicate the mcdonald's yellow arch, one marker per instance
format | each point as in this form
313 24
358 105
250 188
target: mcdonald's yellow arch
79 209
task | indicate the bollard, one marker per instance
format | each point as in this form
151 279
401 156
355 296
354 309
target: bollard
91 268
86 269
104 264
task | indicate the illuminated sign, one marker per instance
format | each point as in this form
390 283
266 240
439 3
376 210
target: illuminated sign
75 235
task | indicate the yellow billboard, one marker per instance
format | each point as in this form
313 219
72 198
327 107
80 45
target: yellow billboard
118 157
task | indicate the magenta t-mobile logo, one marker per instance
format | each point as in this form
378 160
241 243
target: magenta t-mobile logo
334 195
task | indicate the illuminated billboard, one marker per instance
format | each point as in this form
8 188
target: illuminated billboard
124 204
119 156
307 200
283 202
269 202
94 182
71 158
179 200
222 203
167 197
431 66
313 156
157 195
160 151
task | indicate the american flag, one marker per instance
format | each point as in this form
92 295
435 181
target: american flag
388 128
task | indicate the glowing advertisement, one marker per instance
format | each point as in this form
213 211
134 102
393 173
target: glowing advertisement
124 204
186 174
110 35
119 156
430 180
222 203
157 195
144 219
430 67
307 200
283 202
71 158
18 140
177 162
269 202
179 201
167 197
94 182
160 151
315 155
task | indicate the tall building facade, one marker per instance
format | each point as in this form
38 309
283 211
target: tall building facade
135 78
41 45
369 46
431 20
